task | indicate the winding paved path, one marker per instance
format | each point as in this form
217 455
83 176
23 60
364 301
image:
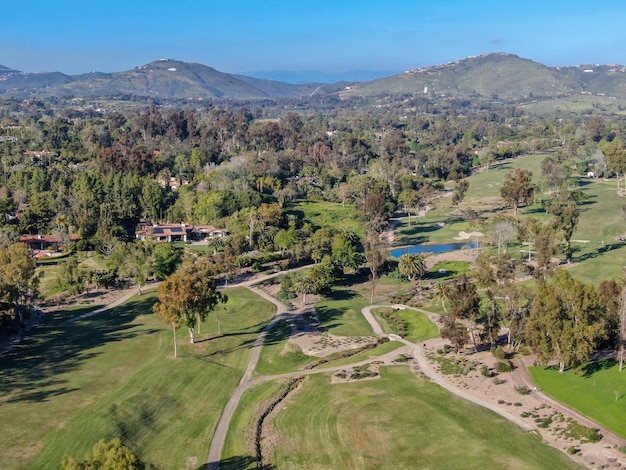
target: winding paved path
418 353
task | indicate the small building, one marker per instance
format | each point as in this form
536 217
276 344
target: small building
45 242
170 233
202 232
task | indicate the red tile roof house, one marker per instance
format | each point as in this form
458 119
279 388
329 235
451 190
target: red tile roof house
41 244
179 232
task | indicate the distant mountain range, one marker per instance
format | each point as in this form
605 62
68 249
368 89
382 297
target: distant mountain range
499 76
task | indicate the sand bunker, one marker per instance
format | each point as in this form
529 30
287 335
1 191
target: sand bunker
468 235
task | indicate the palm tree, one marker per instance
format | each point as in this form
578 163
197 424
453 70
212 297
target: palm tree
442 291
304 285
252 217
412 266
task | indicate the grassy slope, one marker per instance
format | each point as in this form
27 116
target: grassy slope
399 421
67 385
593 393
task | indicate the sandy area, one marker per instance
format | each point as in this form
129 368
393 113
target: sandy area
468 235
468 255
499 391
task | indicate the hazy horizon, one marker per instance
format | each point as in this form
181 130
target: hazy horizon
323 36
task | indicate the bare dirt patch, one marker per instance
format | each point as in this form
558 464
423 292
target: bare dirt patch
503 390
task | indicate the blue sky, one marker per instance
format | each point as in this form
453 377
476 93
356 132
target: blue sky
329 36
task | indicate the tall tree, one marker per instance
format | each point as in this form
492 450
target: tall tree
465 305
518 188
303 284
566 213
187 297
375 256
459 192
19 286
442 292
567 320
167 258
621 335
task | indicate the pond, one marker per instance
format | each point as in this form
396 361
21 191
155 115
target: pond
433 249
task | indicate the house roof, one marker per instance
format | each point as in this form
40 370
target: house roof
46 238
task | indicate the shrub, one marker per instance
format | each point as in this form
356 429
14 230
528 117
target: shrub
498 353
285 296
503 366
498 381
485 371
522 389
545 422
582 433
622 449
572 450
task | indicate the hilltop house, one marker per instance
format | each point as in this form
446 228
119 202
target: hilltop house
172 233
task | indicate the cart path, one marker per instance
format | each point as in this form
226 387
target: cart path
133 291
522 375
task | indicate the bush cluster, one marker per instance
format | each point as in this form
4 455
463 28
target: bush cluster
399 325
503 366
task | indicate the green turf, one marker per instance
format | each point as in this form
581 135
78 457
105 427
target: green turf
399 421
328 214
340 312
420 327
278 355
239 452
66 385
592 392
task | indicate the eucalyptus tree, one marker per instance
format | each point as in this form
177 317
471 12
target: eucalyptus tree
518 189
567 321
187 297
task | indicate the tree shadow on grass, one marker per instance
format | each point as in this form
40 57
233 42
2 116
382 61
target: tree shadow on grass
235 463
30 370
594 254
280 332
328 316
591 368
414 233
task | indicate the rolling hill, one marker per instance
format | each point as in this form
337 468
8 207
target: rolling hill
493 76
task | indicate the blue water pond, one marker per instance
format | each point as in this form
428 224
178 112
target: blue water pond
432 249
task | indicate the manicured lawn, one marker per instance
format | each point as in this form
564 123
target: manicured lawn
593 392
595 246
239 452
340 312
66 385
419 325
399 421
278 356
